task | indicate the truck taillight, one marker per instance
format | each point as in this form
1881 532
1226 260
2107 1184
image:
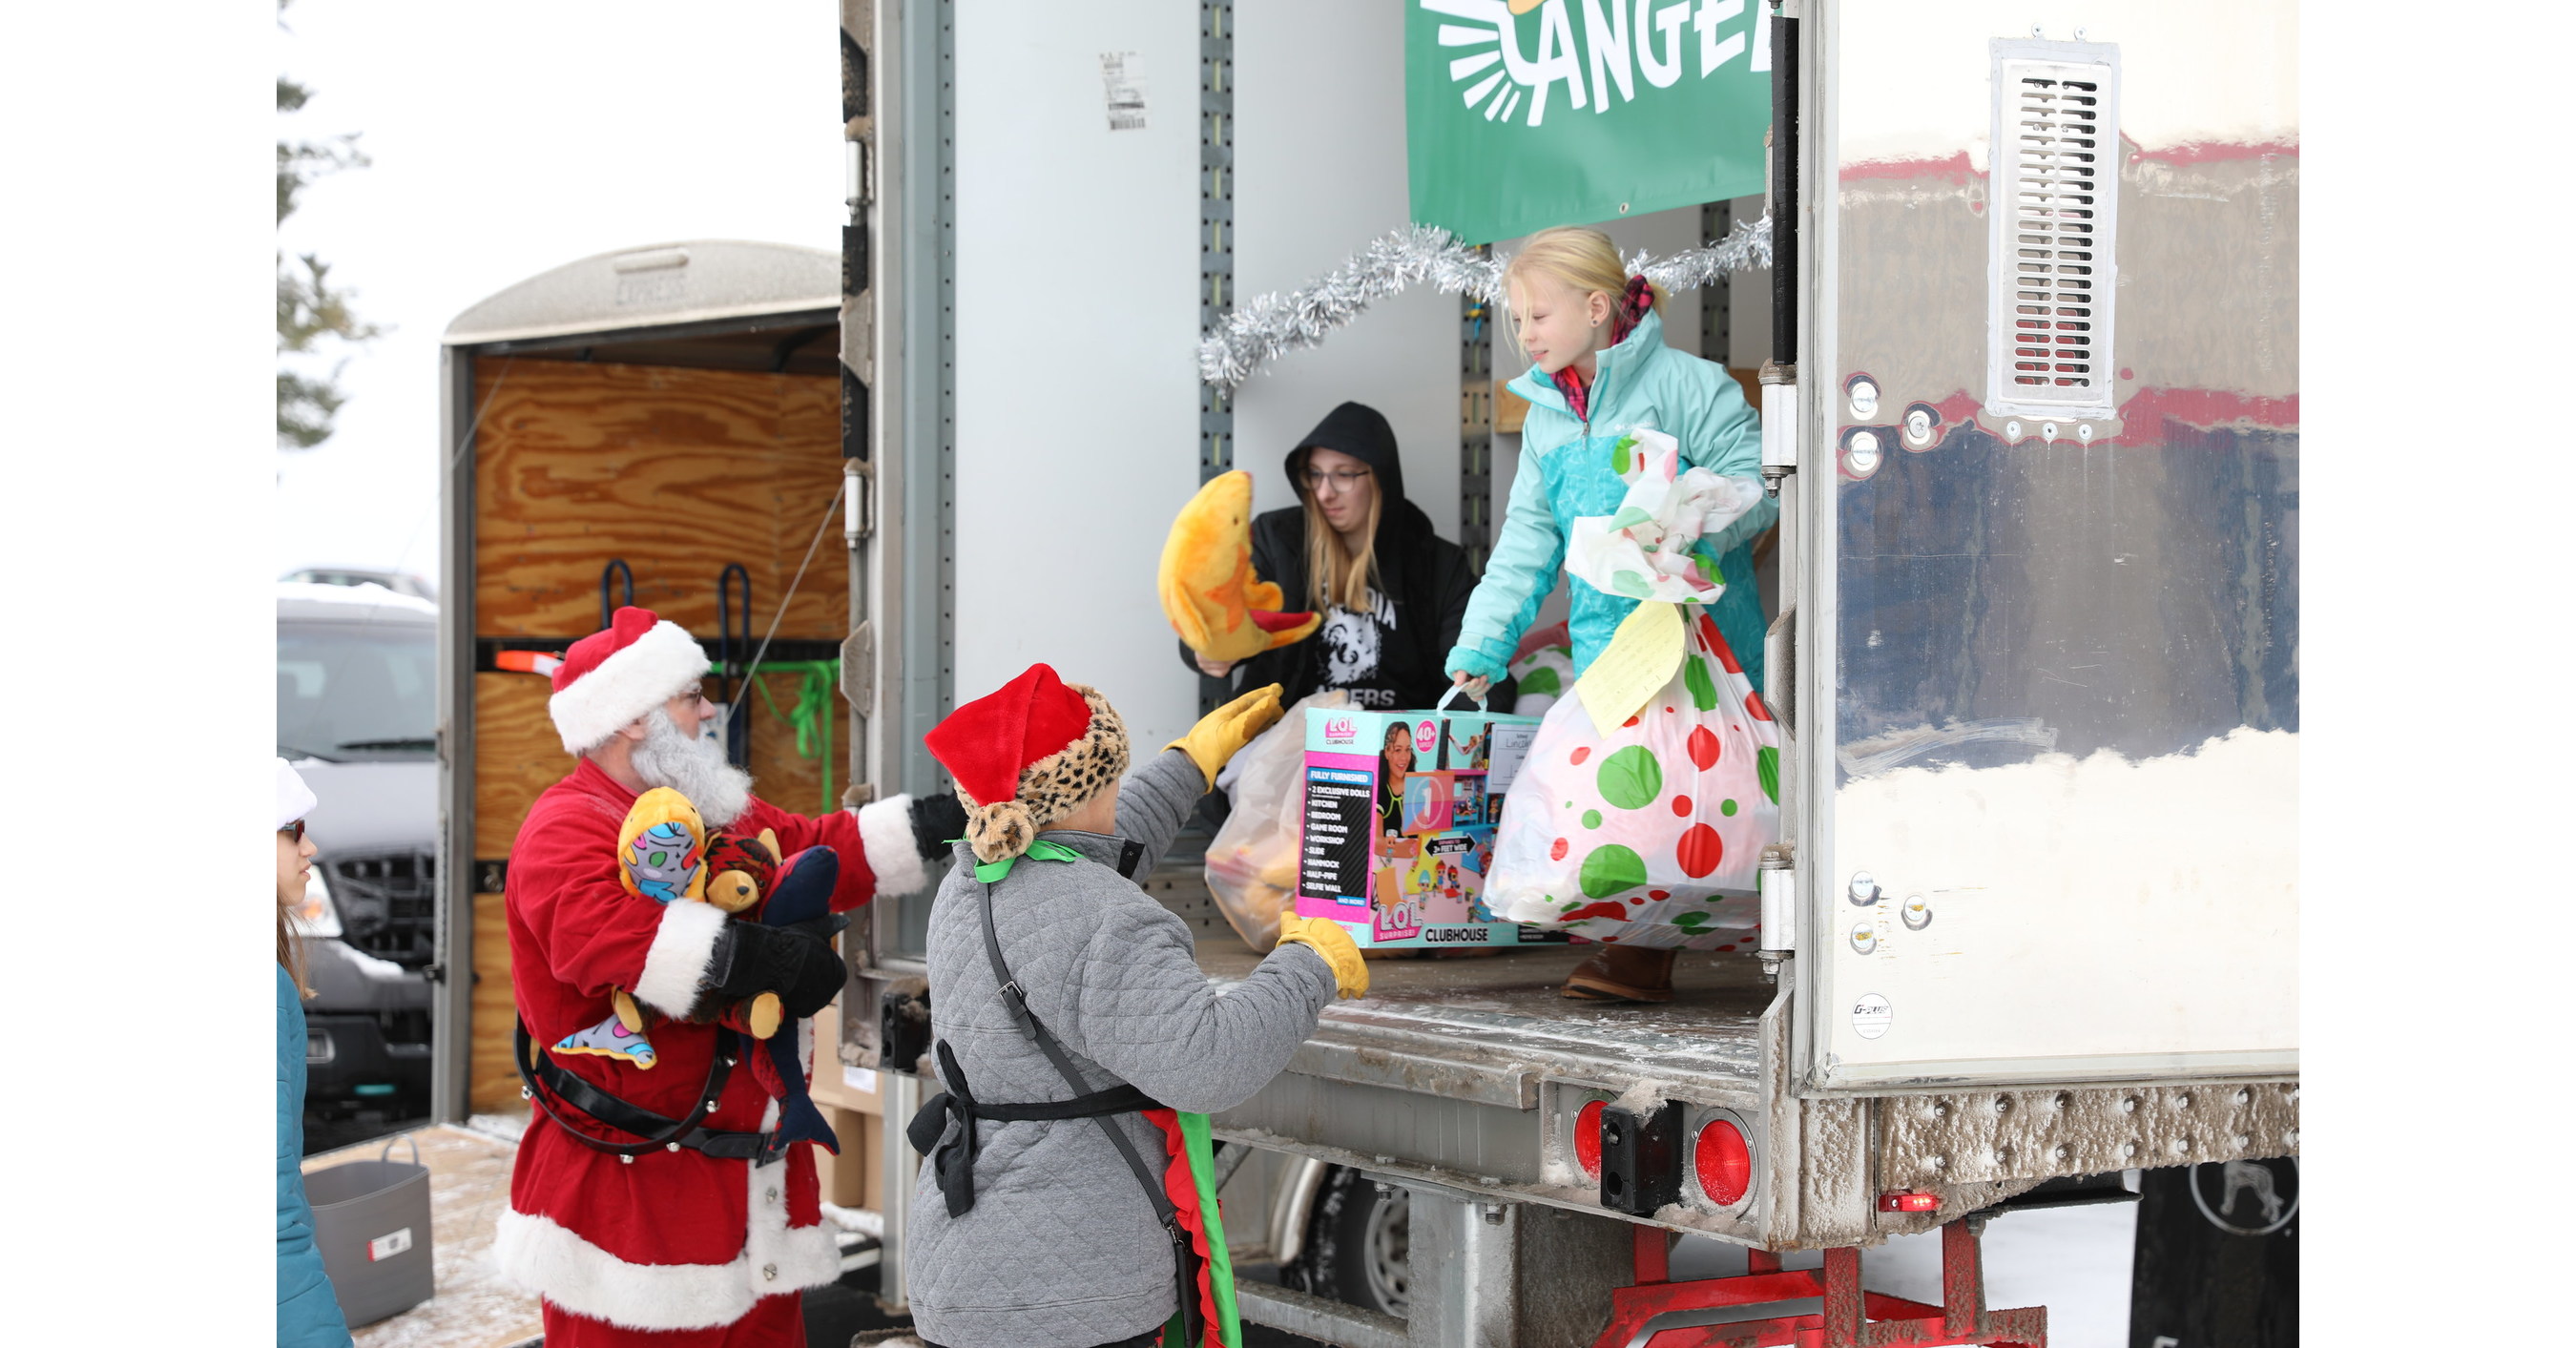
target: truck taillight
1587 1139
1909 1202
1724 1163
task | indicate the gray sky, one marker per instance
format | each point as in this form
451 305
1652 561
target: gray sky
509 139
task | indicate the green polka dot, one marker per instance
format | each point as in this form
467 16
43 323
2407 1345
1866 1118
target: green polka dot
1690 921
1703 689
1543 679
1630 583
1631 778
1611 868
1629 517
1727 807
1619 456
1592 819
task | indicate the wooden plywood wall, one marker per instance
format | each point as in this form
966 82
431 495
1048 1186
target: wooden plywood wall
677 471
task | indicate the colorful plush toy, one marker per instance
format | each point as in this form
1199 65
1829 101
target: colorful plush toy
1220 609
666 854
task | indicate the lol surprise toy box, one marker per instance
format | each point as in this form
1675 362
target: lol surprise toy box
1399 817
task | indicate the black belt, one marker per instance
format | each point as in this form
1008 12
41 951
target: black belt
952 1154
540 1077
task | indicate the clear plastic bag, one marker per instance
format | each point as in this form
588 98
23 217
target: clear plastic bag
1252 861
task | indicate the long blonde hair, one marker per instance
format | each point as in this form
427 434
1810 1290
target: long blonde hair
290 946
1337 576
1574 256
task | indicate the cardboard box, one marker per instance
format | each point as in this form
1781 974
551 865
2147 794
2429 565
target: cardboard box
1400 809
835 1084
856 1177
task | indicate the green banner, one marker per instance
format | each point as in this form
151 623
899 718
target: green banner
1520 114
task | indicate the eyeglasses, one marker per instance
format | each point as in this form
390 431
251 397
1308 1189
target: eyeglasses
294 831
1317 480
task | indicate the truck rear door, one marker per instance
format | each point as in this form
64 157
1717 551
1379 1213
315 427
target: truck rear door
2047 698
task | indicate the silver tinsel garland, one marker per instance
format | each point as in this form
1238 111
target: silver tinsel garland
1272 325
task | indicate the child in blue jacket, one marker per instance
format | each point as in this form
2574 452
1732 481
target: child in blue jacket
1600 369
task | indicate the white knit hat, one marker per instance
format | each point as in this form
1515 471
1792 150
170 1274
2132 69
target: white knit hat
610 678
294 799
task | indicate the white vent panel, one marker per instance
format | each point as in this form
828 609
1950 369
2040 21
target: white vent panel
2051 266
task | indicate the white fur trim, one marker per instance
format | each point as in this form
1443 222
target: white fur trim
681 957
885 833
626 685
550 1260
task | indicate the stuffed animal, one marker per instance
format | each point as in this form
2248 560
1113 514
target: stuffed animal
1220 609
665 853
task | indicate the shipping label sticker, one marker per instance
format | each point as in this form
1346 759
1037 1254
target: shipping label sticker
1122 90
1871 1015
387 1246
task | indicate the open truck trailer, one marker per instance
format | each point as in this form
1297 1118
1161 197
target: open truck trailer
2031 409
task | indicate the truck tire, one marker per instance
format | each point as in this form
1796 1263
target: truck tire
1356 1244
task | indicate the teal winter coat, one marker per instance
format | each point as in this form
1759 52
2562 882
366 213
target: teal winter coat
308 1314
1565 474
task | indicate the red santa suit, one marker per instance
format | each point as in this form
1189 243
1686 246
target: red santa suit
671 1239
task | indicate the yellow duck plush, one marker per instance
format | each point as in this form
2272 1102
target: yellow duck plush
1220 609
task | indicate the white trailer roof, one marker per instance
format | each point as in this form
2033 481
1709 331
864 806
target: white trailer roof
654 287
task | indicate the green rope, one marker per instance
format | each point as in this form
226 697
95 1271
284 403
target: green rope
813 715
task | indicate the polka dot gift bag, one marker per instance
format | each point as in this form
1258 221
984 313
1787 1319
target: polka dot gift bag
1647 832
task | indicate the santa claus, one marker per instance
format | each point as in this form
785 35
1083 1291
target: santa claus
653 1204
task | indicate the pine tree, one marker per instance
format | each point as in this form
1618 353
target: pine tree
310 309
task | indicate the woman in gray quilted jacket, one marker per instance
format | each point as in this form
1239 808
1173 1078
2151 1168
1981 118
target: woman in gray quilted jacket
1070 1019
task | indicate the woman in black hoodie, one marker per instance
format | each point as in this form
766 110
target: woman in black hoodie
1392 592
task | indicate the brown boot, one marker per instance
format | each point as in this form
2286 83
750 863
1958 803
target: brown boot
1623 973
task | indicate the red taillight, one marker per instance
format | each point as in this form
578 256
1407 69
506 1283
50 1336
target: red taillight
1724 1163
1908 1202
1587 1139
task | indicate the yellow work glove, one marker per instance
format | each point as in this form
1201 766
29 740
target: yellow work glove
1326 938
1223 732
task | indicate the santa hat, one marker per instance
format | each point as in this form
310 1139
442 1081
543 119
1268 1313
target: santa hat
294 799
1026 756
610 678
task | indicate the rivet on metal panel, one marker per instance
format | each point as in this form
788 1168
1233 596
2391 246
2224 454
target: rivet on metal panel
2060 1101
2182 1100
2128 1149
2181 1145
2061 1152
2243 1141
2129 1104
1864 889
2003 1104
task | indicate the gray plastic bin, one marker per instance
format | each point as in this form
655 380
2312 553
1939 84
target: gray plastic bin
371 1222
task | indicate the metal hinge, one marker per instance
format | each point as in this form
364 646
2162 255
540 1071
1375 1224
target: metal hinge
859 669
1779 423
1778 878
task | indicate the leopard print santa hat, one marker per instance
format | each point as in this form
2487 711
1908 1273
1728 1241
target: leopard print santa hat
1027 755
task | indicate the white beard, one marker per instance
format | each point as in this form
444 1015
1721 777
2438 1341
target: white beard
693 766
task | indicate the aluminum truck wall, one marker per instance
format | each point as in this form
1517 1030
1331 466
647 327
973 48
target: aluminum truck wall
2050 604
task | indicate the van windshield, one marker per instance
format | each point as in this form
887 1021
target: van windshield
349 691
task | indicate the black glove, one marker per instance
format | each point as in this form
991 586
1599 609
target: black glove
797 962
936 818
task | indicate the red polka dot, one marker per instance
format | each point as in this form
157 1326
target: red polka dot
1699 851
1682 806
1703 747
1556 850
1636 901
1581 753
1659 893
1628 724
1753 707
1726 947
1717 645
1668 711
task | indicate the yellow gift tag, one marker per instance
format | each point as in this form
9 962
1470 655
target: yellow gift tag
1639 661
